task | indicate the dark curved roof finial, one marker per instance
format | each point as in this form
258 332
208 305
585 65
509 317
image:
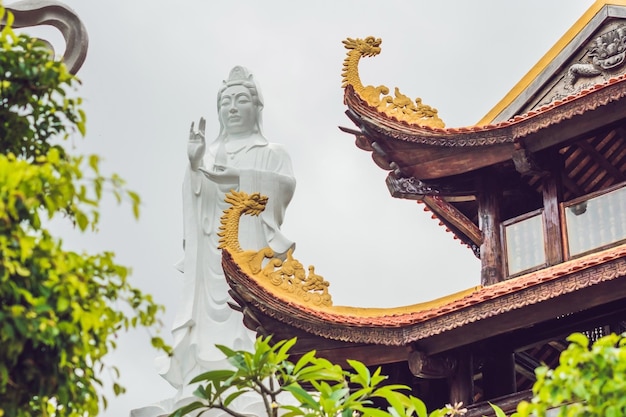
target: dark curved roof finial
30 13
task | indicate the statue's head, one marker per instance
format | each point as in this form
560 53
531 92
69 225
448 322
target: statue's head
239 104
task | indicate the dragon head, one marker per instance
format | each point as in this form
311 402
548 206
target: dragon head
255 204
369 46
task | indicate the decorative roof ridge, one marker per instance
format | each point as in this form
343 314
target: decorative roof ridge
490 126
398 330
399 106
481 135
423 311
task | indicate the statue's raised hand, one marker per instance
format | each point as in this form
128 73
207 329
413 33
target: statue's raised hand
196 145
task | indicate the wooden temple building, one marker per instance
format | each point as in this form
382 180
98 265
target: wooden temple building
536 189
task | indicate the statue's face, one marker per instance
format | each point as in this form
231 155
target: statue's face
237 110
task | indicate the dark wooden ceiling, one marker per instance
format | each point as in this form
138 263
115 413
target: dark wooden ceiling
589 164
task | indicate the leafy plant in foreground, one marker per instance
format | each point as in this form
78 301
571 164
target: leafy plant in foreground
589 381
59 310
308 387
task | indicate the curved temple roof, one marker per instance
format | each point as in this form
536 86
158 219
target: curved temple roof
435 164
571 102
404 325
428 153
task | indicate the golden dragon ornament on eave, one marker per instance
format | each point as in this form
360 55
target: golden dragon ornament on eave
287 276
400 106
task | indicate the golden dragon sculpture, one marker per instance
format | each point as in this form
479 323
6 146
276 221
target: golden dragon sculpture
400 106
287 275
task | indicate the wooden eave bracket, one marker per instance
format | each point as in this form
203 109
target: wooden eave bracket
525 161
362 141
406 187
411 188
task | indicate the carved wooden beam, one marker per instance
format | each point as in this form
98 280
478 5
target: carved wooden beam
30 13
409 188
447 211
413 189
431 367
508 404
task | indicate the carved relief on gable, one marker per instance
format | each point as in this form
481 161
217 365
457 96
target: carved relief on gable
600 59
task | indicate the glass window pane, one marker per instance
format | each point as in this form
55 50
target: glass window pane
596 222
524 244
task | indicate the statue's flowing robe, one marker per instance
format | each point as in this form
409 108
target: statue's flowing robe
205 319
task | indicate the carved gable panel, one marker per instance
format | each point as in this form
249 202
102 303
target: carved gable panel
601 58
591 52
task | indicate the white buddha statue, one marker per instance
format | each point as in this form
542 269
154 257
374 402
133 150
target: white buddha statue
239 159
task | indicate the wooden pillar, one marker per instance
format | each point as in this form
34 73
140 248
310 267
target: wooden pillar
499 375
461 382
551 216
454 368
489 223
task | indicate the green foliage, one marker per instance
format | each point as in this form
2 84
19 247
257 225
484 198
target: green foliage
34 104
589 381
310 387
59 310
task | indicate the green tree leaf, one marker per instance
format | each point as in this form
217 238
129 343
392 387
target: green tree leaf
60 310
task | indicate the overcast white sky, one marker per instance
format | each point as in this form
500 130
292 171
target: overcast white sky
154 67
